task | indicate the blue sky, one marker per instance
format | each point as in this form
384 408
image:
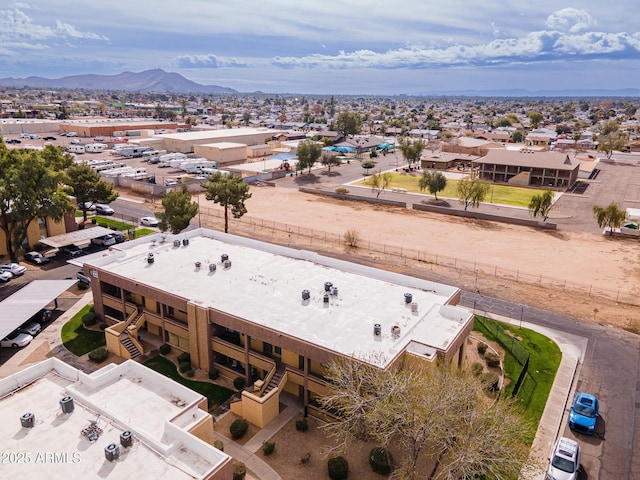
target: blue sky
332 47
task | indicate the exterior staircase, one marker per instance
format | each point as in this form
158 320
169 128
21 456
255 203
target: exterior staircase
274 382
131 348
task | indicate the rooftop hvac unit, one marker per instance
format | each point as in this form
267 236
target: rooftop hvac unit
150 258
111 452
224 257
306 294
326 298
212 267
126 439
67 404
327 286
377 329
185 241
414 307
176 243
334 291
227 264
28 420
408 298
395 331
198 264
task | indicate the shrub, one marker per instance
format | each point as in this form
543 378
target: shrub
492 359
490 382
238 428
82 286
342 191
380 460
306 458
214 373
190 373
238 382
184 357
239 471
482 347
99 355
338 468
92 308
219 444
476 369
165 349
268 447
352 238
184 366
103 326
89 319
302 425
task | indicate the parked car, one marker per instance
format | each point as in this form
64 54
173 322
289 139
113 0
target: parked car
71 251
584 413
118 236
102 209
169 182
565 460
49 137
36 258
99 138
31 328
5 276
71 134
16 340
149 221
82 277
105 240
14 141
42 317
15 269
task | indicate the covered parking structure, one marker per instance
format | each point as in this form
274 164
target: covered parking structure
26 302
79 237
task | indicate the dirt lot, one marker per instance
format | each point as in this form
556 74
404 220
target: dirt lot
588 261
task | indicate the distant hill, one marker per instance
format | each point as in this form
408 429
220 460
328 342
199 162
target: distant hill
149 81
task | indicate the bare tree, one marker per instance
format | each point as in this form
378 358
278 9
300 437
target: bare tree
471 191
541 204
380 181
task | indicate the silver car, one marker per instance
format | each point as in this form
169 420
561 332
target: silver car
16 340
31 328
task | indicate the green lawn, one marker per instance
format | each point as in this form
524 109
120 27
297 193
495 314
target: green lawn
113 224
502 194
216 395
544 360
79 340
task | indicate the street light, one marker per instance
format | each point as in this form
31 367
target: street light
521 313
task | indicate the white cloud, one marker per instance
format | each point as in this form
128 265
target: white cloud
571 19
208 61
67 30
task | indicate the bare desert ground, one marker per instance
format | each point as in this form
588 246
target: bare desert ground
561 259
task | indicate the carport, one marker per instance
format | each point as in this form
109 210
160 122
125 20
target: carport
26 302
79 237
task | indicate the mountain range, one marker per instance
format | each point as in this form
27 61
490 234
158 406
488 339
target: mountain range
148 81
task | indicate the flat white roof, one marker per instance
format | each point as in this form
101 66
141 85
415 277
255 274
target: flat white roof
221 133
118 398
264 285
224 145
29 300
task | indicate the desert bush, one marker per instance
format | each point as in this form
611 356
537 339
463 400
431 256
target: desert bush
239 471
214 373
238 382
342 191
184 357
103 326
490 382
338 468
190 373
380 460
165 349
302 425
184 366
82 286
99 355
482 347
476 369
352 238
238 428
492 359
219 444
268 447
89 318
306 458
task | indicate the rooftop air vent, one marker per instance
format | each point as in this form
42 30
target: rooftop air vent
198 264
176 243
414 307
377 329
327 286
27 420
334 291
212 267
185 242
67 404
227 264
224 257
306 294
325 299
150 258
408 298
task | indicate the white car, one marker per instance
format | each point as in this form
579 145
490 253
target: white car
565 460
16 340
15 269
5 276
31 328
149 221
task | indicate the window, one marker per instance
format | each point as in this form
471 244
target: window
277 350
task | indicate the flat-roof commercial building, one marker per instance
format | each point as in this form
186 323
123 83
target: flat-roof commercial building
270 314
186 142
527 167
122 421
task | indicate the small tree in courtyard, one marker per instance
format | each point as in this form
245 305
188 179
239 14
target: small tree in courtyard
434 181
472 191
228 191
541 204
610 216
